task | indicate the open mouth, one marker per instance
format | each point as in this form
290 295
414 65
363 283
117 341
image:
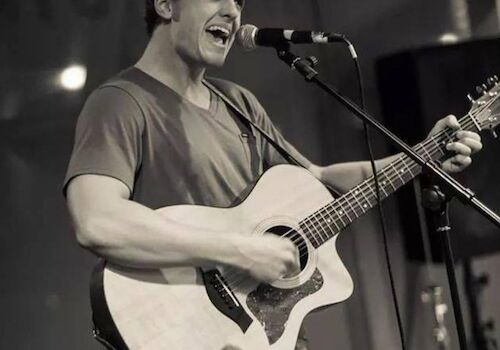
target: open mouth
219 34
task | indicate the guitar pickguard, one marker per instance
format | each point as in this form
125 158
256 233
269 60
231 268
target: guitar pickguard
272 306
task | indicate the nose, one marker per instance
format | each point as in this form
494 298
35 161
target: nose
231 9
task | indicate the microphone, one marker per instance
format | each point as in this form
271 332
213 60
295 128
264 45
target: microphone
249 37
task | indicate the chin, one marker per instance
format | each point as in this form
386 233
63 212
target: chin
215 62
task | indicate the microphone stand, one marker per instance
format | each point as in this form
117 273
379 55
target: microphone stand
434 200
305 67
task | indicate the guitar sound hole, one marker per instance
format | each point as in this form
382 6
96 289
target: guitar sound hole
300 245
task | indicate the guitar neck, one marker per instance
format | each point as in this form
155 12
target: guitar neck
331 219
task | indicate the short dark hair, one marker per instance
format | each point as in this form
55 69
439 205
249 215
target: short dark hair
151 17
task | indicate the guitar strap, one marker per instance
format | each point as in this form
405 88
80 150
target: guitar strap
246 120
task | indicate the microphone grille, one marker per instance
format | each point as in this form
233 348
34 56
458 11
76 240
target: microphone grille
246 37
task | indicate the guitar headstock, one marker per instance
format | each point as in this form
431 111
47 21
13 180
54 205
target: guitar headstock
485 108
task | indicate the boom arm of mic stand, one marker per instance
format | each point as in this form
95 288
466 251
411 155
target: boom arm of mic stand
465 195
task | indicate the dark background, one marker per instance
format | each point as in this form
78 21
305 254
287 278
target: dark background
44 274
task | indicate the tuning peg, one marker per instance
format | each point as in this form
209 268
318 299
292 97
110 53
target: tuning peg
490 82
494 133
479 89
495 78
470 98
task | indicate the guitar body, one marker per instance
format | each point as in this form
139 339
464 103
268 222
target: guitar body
171 309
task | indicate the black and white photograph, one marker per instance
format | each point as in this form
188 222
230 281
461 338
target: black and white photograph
250 174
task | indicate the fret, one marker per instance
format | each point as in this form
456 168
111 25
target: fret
346 212
322 227
364 195
387 179
372 190
311 232
439 146
350 205
447 135
339 214
397 172
408 168
426 152
368 203
405 174
382 187
321 230
331 219
356 194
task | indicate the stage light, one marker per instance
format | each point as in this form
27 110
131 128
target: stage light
74 77
448 38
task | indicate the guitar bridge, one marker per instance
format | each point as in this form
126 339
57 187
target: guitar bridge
223 298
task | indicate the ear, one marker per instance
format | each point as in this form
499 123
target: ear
164 9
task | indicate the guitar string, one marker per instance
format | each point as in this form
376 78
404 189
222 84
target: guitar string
466 122
392 173
353 201
235 283
351 198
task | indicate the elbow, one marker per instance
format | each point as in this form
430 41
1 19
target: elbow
87 235
317 171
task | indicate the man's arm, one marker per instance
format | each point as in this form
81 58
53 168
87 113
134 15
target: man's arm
344 176
127 233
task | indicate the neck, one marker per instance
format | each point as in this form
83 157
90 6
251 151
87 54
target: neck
161 61
328 221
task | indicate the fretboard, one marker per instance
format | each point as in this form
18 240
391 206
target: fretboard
329 220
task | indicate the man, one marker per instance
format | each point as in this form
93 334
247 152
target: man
156 135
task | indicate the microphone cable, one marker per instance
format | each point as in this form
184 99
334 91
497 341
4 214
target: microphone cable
383 224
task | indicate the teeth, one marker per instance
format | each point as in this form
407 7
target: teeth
219 28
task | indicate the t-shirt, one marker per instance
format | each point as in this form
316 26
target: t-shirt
169 151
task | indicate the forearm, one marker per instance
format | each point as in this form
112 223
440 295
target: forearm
344 176
127 233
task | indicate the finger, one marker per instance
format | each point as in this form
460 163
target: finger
453 166
459 148
451 122
292 263
291 259
474 145
462 134
461 160
457 163
290 247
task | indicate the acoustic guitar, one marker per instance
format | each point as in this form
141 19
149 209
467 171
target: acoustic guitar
188 308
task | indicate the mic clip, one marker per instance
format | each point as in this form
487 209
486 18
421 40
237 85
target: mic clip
301 65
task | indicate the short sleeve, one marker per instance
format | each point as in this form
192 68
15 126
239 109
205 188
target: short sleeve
108 137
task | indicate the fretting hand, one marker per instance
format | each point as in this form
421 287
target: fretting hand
464 147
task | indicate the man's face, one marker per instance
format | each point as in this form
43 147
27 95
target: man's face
203 31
